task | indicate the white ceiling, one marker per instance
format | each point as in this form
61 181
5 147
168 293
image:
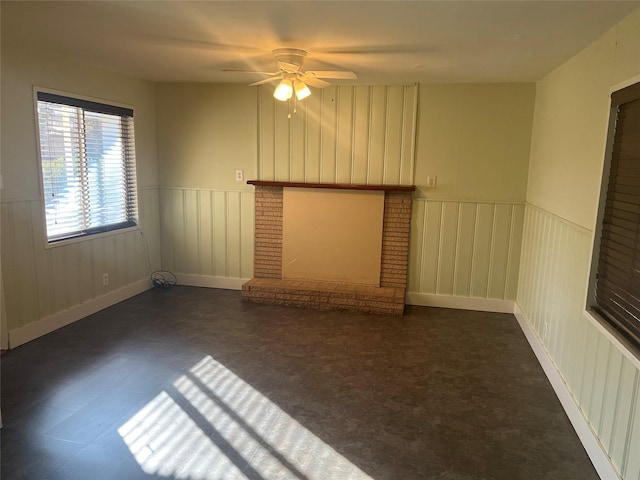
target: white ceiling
383 41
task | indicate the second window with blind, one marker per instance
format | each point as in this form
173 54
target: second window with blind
615 274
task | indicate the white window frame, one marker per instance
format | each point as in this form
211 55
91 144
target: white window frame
90 236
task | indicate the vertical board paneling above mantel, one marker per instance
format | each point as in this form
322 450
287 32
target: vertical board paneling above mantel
340 134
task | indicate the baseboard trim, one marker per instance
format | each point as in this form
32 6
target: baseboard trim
209 281
586 435
462 303
58 320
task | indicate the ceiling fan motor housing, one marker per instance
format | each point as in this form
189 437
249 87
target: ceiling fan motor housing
290 59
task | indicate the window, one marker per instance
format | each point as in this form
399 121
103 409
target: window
615 282
88 166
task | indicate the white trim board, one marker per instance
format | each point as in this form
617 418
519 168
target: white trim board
209 281
58 320
461 303
589 440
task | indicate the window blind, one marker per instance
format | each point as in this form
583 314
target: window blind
617 287
87 156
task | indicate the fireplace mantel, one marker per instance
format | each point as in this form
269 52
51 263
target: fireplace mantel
336 186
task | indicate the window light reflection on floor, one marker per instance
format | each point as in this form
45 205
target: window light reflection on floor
211 425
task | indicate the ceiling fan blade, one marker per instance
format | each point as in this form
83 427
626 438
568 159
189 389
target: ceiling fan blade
208 44
266 80
369 49
249 71
335 74
314 82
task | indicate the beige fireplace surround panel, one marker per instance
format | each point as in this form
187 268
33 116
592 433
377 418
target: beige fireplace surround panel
332 235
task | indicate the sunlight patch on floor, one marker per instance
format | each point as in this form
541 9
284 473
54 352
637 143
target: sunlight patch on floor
164 439
211 425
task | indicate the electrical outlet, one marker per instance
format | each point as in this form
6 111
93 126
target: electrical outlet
431 182
239 175
545 330
105 279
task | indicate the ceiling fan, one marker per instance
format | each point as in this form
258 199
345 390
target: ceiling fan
292 79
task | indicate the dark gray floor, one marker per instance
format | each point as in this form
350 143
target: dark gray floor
436 394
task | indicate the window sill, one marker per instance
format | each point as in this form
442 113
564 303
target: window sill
93 236
618 341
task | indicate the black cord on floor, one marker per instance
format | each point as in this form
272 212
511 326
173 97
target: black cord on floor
163 279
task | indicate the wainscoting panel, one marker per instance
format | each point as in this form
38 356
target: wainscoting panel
602 380
345 134
465 249
207 232
40 282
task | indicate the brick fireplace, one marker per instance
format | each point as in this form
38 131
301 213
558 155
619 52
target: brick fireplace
269 286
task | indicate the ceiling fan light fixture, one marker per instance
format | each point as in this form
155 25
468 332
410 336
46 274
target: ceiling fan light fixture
302 91
283 91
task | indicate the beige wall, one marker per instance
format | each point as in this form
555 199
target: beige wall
567 153
570 126
476 140
205 133
41 283
569 130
